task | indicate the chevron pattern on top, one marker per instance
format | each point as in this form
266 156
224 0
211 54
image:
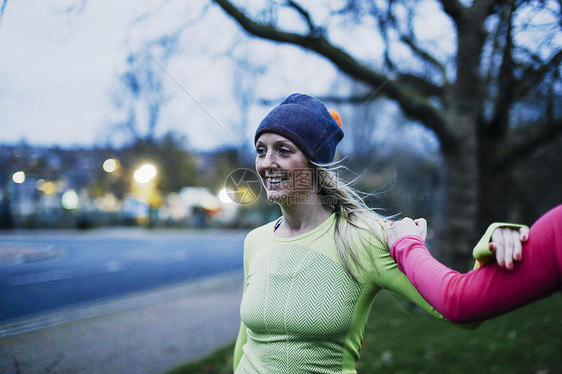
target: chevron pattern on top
298 307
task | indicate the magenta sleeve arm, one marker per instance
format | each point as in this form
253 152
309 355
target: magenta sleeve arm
439 285
489 290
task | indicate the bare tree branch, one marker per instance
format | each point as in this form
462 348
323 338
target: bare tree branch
484 8
532 76
422 85
425 56
412 102
384 22
353 99
496 48
3 9
454 9
306 15
499 124
524 142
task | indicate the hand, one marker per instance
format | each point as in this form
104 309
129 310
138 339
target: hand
506 243
407 226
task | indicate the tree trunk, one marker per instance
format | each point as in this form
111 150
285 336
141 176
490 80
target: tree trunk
458 233
496 188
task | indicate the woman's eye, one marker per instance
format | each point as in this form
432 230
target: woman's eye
284 151
260 151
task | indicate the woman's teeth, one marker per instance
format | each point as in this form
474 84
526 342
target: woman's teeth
274 179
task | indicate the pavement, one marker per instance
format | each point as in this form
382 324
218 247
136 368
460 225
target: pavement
144 333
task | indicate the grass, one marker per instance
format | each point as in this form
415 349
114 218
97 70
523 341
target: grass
526 341
218 362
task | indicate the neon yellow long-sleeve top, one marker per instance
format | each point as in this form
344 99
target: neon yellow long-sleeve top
301 311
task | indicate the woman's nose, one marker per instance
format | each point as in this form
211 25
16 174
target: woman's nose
269 161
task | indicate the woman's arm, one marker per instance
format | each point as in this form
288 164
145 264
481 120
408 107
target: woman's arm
242 337
489 290
240 341
501 241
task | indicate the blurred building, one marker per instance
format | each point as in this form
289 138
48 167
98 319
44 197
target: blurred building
59 188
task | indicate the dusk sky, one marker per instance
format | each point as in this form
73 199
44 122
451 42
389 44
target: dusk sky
56 71
60 71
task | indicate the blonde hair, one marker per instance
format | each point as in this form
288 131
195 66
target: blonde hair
354 219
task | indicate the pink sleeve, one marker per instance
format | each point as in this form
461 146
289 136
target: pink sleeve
490 290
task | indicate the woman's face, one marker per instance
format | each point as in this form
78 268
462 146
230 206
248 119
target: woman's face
284 170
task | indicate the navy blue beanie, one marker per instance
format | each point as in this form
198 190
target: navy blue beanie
306 122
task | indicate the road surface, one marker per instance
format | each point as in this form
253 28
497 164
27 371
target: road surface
46 270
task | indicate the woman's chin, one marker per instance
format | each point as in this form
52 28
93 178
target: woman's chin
276 196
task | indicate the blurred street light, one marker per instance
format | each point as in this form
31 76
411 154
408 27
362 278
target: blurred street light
145 173
18 177
223 196
40 184
70 200
49 188
145 190
110 165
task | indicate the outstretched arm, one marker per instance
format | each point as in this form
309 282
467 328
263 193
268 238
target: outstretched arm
490 290
502 239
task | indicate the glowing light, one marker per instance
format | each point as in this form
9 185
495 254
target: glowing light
110 165
40 184
18 177
69 200
210 202
223 196
107 203
145 173
49 188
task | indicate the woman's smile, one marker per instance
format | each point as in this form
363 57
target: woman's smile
276 180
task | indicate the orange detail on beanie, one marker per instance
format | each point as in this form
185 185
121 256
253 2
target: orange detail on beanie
335 115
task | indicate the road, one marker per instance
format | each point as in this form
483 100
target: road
73 267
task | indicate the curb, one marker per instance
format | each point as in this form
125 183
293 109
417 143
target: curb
136 300
146 333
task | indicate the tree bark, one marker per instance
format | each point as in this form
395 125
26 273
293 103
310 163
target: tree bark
458 233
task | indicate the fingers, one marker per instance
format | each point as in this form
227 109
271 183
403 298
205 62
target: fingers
524 234
406 226
498 247
507 245
391 235
422 224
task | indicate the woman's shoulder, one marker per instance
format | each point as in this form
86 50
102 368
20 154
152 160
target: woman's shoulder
372 230
372 252
261 232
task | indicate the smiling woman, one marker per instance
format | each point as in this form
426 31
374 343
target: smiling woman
311 276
